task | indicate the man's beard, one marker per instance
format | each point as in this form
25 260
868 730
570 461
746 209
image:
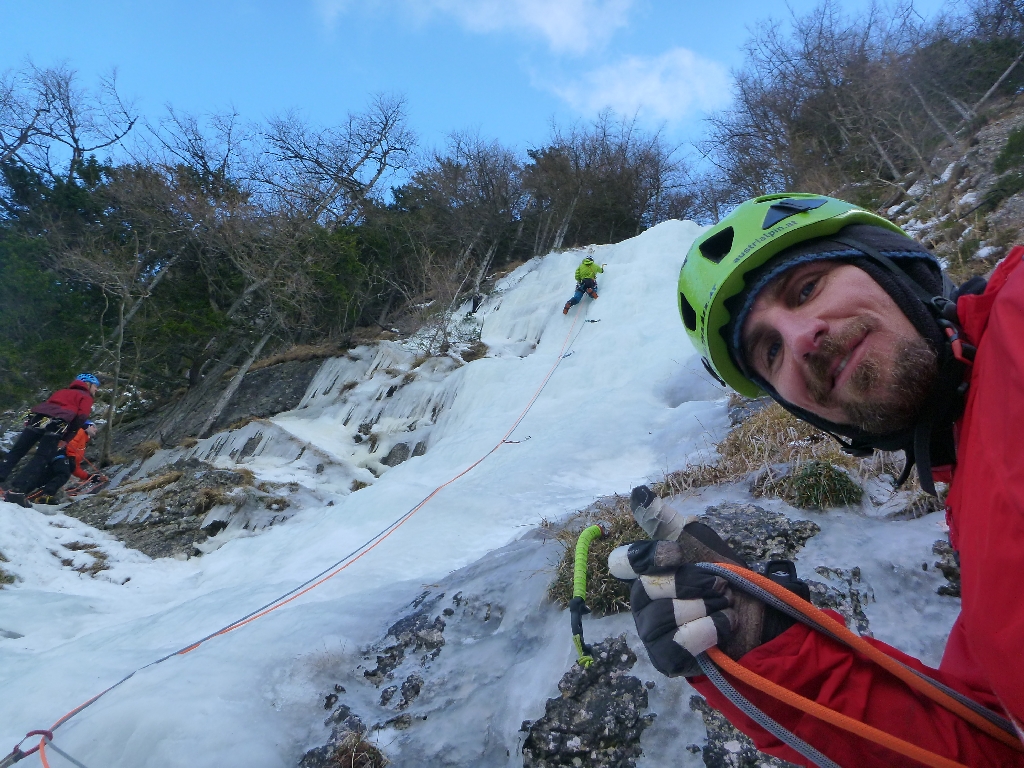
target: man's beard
877 400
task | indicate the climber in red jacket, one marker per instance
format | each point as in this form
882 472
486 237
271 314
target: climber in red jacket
850 324
50 423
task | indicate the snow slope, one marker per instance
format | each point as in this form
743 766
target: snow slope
629 402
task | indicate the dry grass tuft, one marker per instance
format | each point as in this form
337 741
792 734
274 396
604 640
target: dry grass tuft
147 485
356 752
605 594
208 498
245 420
475 352
358 485
775 436
147 449
99 557
5 577
300 352
188 442
770 437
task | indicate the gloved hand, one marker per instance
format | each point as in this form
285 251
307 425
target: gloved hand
678 613
97 478
680 610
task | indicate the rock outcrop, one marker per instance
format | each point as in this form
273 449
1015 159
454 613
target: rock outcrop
598 719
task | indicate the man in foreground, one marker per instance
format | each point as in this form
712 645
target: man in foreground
850 324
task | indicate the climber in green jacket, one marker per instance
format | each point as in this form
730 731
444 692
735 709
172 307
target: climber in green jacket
586 282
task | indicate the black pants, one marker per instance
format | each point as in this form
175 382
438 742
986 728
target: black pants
46 434
56 474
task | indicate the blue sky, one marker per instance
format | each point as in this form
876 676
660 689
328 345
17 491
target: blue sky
504 67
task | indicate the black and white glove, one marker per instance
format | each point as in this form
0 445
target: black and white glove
681 610
680 613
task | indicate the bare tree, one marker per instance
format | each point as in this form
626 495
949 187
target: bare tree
24 108
326 174
50 122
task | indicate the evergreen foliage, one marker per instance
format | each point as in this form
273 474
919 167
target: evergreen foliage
1012 155
218 239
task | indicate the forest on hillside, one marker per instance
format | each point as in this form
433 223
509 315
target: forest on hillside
164 253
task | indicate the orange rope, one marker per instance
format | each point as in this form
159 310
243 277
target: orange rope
830 716
856 642
394 528
42 753
411 512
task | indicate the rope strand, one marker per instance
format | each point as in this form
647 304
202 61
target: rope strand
324 575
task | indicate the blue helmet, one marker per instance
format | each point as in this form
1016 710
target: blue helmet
88 378
89 423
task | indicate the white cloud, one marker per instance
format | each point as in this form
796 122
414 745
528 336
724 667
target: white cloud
568 26
330 10
668 87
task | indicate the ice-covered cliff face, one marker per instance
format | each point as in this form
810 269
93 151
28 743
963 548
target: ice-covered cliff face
627 402
452 605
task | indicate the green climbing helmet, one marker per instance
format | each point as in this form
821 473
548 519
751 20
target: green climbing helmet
717 263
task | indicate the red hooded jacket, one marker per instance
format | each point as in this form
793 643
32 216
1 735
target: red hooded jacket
984 656
71 405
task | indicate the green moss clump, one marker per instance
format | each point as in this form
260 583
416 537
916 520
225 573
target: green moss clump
816 485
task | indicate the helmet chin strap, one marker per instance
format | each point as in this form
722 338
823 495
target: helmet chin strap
931 436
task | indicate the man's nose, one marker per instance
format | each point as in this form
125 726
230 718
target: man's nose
803 335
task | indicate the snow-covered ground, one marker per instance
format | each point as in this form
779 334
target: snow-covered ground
627 402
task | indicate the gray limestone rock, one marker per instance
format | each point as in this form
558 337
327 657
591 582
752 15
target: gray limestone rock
726 746
167 514
757 534
950 567
844 593
398 453
598 719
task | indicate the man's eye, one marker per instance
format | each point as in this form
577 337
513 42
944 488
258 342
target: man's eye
772 352
806 291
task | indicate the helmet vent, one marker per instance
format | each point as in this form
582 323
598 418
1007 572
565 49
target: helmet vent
717 247
688 313
783 209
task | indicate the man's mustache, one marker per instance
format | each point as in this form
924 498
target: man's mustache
830 350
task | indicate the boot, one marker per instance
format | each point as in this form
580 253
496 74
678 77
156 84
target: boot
592 293
14 497
565 309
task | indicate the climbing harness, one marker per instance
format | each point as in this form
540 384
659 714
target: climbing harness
578 606
328 573
714 662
